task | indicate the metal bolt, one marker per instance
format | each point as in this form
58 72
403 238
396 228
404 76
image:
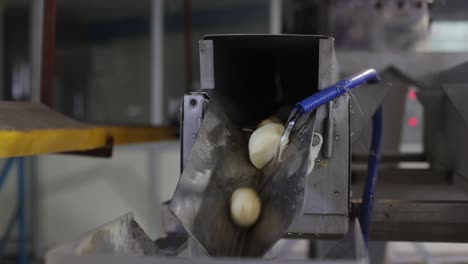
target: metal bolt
193 102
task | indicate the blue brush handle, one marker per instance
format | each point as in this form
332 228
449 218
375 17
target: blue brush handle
328 94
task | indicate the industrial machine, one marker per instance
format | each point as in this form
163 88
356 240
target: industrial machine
315 193
246 78
258 82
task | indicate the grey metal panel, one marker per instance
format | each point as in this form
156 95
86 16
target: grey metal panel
433 146
327 186
458 95
412 192
446 129
401 211
206 64
193 106
419 220
325 210
319 226
218 165
405 176
454 140
328 68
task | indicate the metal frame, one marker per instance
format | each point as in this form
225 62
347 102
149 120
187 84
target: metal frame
19 215
430 221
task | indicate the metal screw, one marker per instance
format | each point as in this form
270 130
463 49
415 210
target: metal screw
193 102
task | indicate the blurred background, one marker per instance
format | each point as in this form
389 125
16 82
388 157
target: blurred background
130 62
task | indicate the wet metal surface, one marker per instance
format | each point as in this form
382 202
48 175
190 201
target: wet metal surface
217 166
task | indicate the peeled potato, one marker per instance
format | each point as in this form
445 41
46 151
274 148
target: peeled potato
263 144
269 120
245 207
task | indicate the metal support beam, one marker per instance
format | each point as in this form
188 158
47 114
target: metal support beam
35 46
35 53
157 34
21 193
275 16
157 113
397 220
48 52
2 47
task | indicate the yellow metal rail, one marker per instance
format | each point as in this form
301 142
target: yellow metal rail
44 141
31 129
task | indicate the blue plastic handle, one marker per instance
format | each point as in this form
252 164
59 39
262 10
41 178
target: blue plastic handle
330 93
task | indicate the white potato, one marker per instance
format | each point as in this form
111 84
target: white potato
263 144
269 120
245 207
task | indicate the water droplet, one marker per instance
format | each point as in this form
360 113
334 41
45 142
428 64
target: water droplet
337 138
300 234
194 135
289 234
